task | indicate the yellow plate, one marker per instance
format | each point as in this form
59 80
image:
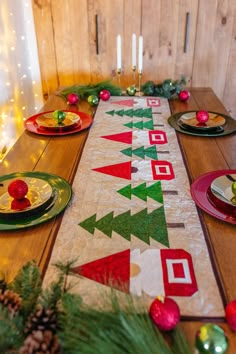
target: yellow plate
47 121
39 192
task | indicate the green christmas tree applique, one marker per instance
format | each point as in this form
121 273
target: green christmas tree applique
142 225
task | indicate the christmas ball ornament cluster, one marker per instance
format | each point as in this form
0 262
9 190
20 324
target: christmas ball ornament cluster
184 95
165 313
211 339
72 98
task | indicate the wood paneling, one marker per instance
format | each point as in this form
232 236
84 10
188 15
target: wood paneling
213 42
69 54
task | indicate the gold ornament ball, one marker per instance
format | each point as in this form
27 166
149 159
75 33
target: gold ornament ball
131 90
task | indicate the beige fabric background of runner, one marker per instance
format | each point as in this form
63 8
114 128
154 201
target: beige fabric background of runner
96 193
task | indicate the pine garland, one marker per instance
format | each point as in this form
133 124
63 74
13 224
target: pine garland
167 89
76 328
84 91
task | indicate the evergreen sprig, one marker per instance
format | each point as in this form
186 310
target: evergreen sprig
167 88
84 91
28 285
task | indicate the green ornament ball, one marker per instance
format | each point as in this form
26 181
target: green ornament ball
93 100
211 339
131 90
59 116
234 187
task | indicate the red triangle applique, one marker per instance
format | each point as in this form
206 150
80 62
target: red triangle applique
122 170
125 137
128 103
113 270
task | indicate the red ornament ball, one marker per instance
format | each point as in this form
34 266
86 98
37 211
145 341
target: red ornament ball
72 98
202 116
20 204
104 95
230 314
184 95
165 313
18 189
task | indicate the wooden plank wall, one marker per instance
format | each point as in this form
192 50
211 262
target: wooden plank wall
69 53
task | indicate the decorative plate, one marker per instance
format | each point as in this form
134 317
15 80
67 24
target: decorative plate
227 128
47 121
204 198
214 121
221 187
38 196
32 125
60 198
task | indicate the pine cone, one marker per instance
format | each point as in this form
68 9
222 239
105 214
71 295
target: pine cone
11 301
42 320
41 342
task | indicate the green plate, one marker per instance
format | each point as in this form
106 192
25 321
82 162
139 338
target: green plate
229 126
62 195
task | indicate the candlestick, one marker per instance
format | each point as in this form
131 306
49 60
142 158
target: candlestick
133 51
140 55
134 55
139 82
118 42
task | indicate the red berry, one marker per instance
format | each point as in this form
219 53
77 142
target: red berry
20 204
18 189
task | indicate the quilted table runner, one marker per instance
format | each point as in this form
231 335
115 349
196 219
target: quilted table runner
132 224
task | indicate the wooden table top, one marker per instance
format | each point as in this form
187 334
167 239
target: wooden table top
48 154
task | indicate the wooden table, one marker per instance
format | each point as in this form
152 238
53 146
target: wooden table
48 154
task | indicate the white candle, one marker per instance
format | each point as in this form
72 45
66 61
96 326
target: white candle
118 43
140 55
133 50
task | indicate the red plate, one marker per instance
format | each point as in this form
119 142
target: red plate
32 126
201 196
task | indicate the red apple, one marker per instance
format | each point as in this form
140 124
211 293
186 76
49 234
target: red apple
202 116
18 189
20 204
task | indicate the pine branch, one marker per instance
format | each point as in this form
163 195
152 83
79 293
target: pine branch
179 342
126 331
11 331
84 91
51 296
28 285
167 88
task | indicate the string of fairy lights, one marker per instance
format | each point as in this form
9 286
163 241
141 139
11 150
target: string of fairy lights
20 81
